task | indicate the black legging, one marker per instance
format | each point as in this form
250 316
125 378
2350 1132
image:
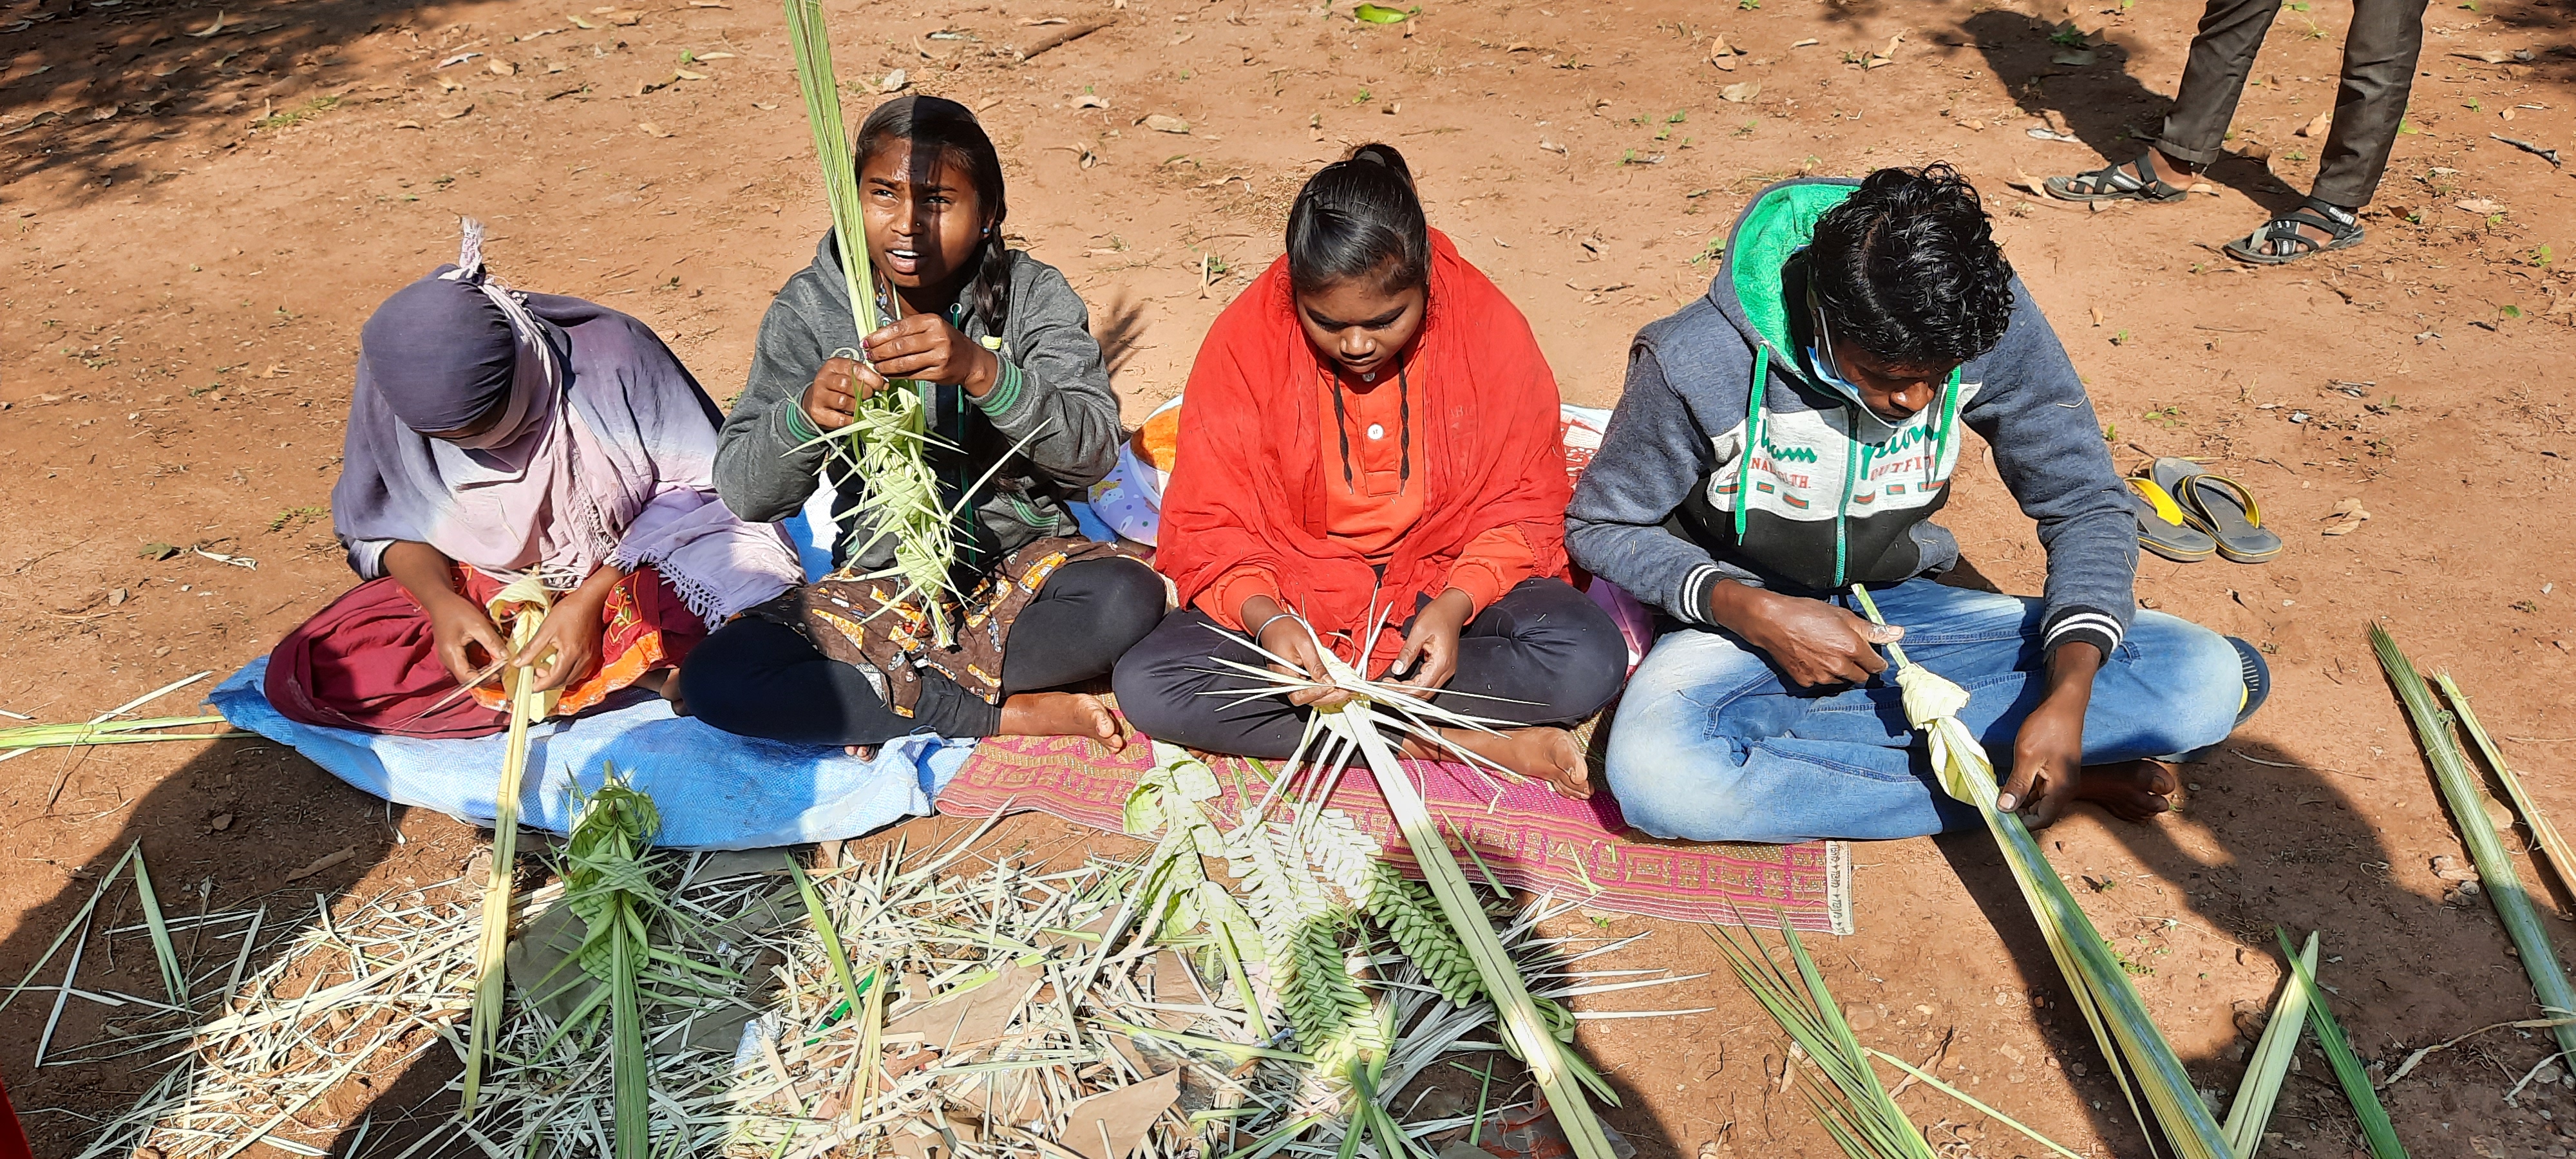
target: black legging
754 677
1547 651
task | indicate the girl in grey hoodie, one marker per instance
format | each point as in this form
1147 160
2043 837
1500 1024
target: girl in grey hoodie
1004 344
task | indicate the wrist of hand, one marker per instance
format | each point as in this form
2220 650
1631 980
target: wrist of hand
983 370
1735 606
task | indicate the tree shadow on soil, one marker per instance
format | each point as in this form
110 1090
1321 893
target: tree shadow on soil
2113 113
234 822
94 85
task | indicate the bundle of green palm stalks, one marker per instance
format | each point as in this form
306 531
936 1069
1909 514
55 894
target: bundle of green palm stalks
2497 876
885 449
2139 1055
159 728
2251 1110
609 885
523 603
2562 858
2375 1127
1840 1078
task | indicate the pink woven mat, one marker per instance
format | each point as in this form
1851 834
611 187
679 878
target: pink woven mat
1530 838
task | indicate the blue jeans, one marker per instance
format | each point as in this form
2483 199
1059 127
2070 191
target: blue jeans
1712 744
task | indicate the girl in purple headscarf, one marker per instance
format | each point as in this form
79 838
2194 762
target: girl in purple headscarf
494 435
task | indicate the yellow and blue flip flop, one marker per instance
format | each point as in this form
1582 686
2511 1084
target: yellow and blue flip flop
2164 529
2226 510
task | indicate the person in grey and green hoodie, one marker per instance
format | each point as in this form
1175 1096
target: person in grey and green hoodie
1792 434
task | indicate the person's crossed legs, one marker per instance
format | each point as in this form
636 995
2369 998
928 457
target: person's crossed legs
1711 745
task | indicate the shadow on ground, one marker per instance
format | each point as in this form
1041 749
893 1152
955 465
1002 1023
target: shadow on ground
2103 104
89 85
2279 845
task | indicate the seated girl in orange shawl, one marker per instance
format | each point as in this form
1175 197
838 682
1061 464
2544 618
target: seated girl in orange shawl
1371 426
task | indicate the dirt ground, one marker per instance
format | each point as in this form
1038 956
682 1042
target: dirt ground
203 201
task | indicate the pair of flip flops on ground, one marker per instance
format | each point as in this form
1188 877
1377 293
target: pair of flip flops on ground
2275 242
2187 514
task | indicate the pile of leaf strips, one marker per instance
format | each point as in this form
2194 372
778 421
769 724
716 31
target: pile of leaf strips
1008 1009
1443 930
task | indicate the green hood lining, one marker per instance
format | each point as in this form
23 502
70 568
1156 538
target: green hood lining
1777 224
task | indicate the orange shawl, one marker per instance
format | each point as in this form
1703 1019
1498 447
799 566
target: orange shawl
1247 487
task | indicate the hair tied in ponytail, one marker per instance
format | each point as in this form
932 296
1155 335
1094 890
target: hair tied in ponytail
1359 217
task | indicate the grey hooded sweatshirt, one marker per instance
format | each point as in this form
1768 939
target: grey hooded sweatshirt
1053 385
1727 460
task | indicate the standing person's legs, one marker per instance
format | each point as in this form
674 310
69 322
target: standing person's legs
2213 79
1711 744
2379 55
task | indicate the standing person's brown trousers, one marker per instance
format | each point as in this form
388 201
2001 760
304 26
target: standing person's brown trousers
2378 72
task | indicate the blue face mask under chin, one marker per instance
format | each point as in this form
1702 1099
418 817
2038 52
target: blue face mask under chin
1868 425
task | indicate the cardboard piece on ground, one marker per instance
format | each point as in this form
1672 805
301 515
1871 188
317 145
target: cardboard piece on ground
979 1015
1111 1125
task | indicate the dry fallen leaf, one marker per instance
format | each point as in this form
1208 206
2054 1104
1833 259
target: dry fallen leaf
503 68
1741 91
1717 46
2483 207
1111 1125
326 861
2318 127
1804 43
894 82
458 111
626 19
650 129
1723 63
2348 517
578 22
1166 123
1551 146
715 56
685 74
407 124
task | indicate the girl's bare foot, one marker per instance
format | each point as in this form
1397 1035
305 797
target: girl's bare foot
1545 754
2130 790
667 682
1061 714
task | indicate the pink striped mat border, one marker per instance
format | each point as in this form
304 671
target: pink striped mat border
1529 838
